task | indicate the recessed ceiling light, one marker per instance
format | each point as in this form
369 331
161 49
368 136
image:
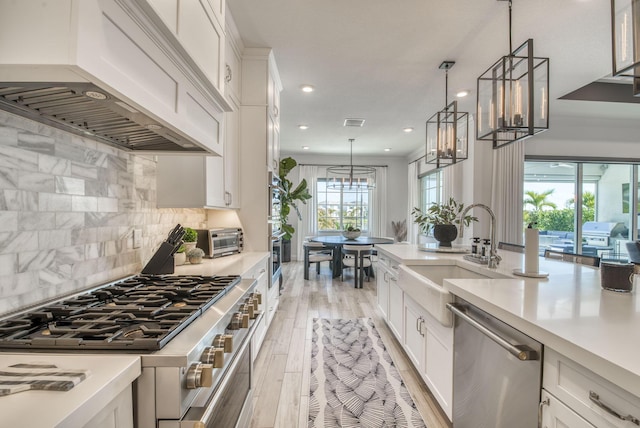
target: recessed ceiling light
407 130
307 88
387 149
303 127
462 93
305 147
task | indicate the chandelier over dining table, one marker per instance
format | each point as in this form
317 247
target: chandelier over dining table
351 177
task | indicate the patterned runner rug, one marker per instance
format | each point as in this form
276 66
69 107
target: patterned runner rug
354 383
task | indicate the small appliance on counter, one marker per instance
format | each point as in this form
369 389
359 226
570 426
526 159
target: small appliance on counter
220 242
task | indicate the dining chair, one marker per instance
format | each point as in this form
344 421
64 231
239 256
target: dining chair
572 257
517 248
359 258
316 252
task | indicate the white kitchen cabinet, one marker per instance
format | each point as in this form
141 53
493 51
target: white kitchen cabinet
191 182
233 62
273 300
258 64
556 415
382 283
396 309
261 87
198 25
429 346
260 274
590 396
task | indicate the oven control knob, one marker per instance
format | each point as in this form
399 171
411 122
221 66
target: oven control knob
245 320
236 321
253 303
199 375
247 309
214 356
257 296
224 341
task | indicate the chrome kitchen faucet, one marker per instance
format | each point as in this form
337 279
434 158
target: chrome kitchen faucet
494 258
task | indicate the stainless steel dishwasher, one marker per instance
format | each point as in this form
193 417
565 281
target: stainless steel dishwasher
497 372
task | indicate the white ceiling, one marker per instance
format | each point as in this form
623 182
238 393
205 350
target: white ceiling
379 59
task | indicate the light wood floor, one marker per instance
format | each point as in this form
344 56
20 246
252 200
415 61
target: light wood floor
282 367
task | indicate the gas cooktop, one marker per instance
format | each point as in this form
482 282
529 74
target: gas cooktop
140 313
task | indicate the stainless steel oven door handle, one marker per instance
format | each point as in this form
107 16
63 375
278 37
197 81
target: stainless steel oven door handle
521 352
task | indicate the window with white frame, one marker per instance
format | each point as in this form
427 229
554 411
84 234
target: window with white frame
430 189
339 208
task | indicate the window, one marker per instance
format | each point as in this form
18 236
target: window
551 190
430 189
339 208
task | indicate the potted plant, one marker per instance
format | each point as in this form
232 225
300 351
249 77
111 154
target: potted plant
443 219
189 239
290 194
180 257
195 255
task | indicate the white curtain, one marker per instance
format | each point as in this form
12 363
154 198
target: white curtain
378 205
413 188
507 191
307 226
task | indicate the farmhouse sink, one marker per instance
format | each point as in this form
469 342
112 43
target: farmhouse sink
424 283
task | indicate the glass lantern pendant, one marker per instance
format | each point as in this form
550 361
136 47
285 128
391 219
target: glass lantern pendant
447 131
625 28
513 96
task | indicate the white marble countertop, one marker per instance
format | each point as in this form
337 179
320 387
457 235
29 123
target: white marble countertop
568 311
236 264
109 376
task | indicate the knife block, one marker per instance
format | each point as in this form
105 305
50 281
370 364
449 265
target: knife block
162 261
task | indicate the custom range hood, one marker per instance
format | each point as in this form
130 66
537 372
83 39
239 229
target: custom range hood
86 110
113 70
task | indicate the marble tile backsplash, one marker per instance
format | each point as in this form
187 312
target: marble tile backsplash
68 209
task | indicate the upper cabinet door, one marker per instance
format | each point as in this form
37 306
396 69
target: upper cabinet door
199 27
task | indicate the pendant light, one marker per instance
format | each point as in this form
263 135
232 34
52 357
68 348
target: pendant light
625 29
447 130
513 96
351 177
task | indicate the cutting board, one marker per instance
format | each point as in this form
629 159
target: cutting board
38 376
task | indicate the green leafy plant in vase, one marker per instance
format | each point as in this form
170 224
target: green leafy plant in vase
290 195
180 257
351 232
189 239
443 219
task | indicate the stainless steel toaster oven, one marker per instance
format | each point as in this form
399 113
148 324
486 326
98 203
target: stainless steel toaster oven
220 242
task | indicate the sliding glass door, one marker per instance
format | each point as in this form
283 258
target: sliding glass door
582 207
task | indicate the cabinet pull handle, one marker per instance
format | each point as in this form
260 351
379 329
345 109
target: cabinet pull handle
418 325
229 74
543 403
595 398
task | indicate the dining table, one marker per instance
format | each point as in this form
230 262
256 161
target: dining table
337 241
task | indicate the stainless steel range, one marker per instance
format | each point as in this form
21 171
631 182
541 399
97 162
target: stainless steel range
193 334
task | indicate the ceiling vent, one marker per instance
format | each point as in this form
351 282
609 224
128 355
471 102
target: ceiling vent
354 122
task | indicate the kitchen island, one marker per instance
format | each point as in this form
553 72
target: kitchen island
103 399
568 311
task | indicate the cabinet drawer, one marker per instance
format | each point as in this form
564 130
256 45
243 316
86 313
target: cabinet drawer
557 415
580 388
